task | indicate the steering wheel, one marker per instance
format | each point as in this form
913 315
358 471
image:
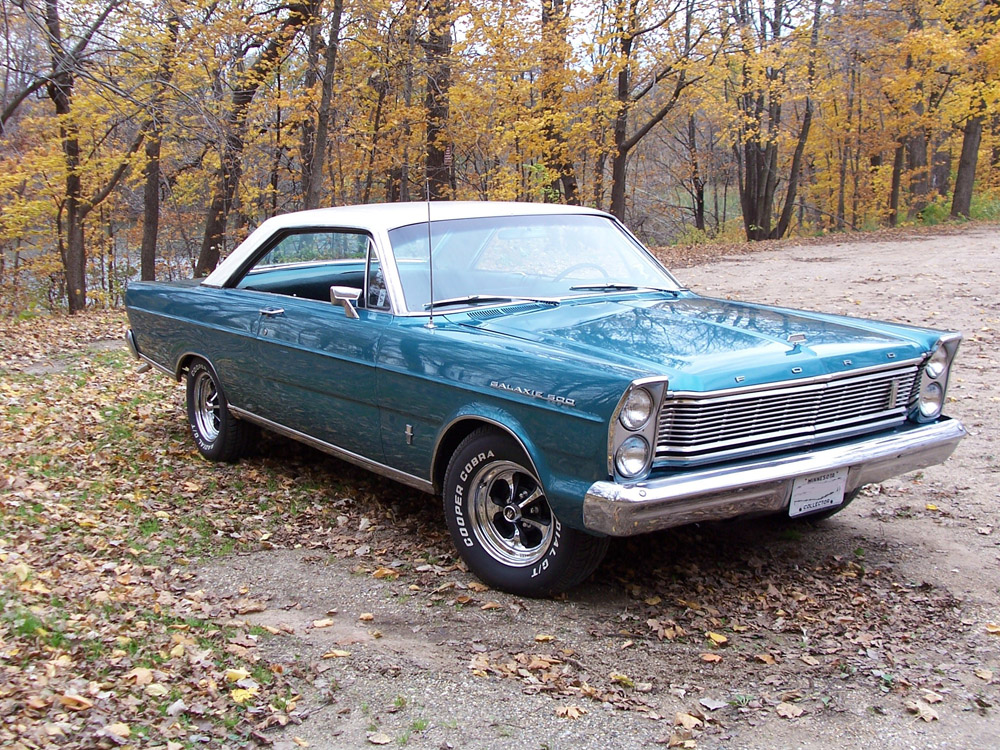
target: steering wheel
580 266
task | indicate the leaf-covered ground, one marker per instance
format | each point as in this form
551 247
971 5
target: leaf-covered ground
151 599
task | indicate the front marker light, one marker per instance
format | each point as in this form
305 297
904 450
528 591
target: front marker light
631 456
636 410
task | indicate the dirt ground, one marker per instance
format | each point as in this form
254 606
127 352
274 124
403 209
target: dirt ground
875 628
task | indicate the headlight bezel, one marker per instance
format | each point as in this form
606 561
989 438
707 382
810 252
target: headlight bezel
932 389
622 428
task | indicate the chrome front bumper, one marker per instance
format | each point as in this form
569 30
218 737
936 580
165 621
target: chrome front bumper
761 485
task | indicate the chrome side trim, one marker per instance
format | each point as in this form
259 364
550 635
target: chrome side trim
333 450
146 361
762 485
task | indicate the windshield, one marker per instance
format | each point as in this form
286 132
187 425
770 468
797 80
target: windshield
521 257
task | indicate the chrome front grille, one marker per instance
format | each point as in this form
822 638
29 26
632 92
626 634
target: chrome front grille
695 428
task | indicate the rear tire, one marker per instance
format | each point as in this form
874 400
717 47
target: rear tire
502 525
218 434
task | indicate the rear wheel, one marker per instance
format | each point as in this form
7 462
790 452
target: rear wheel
218 434
502 525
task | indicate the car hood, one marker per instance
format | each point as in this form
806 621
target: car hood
704 344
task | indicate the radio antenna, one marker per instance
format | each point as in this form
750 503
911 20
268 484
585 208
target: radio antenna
430 249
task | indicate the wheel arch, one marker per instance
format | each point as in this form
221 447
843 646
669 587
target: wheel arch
186 359
463 425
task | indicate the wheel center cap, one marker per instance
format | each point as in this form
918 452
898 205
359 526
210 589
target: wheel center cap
511 513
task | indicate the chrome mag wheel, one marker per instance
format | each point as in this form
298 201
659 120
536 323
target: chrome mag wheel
207 413
510 515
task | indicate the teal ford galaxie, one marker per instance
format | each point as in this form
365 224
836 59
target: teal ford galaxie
536 367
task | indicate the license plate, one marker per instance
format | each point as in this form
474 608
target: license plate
817 492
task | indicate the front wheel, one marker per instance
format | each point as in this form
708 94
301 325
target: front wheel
502 525
218 434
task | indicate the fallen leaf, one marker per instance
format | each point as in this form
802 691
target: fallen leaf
119 729
366 617
492 605
235 675
687 721
324 623
336 654
766 658
922 710
386 573
155 690
931 697
716 638
242 695
931 506
140 675
789 710
544 638
570 712
711 657
985 674
812 661
621 679
993 629
379 738
75 702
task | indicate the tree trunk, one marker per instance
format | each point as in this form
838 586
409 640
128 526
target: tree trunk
313 188
60 91
697 183
896 185
150 209
555 17
972 133
941 169
236 124
436 102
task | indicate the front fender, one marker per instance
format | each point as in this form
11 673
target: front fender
565 491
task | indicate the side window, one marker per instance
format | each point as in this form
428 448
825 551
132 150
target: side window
306 264
312 247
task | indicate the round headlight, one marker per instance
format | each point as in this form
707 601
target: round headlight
937 364
631 457
931 399
636 410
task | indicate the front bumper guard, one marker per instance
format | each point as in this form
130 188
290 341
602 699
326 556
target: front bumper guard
761 485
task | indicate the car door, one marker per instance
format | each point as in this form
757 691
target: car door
315 363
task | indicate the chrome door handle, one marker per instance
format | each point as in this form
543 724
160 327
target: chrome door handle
272 311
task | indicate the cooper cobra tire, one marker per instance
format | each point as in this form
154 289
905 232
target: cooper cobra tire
502 525
218 434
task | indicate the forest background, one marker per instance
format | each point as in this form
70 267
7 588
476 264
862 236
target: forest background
144 138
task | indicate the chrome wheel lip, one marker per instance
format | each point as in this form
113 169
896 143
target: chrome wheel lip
505 544
206 407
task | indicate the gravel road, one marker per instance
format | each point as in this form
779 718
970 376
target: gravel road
873 628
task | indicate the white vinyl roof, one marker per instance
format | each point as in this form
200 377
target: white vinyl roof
379 218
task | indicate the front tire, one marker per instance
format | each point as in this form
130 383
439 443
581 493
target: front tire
502 525
218 434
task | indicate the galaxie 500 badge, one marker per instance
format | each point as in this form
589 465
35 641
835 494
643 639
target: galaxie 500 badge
562 400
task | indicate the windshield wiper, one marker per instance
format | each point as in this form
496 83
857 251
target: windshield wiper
473 299
617 286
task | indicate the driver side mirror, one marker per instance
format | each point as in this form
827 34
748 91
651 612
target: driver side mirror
345 296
